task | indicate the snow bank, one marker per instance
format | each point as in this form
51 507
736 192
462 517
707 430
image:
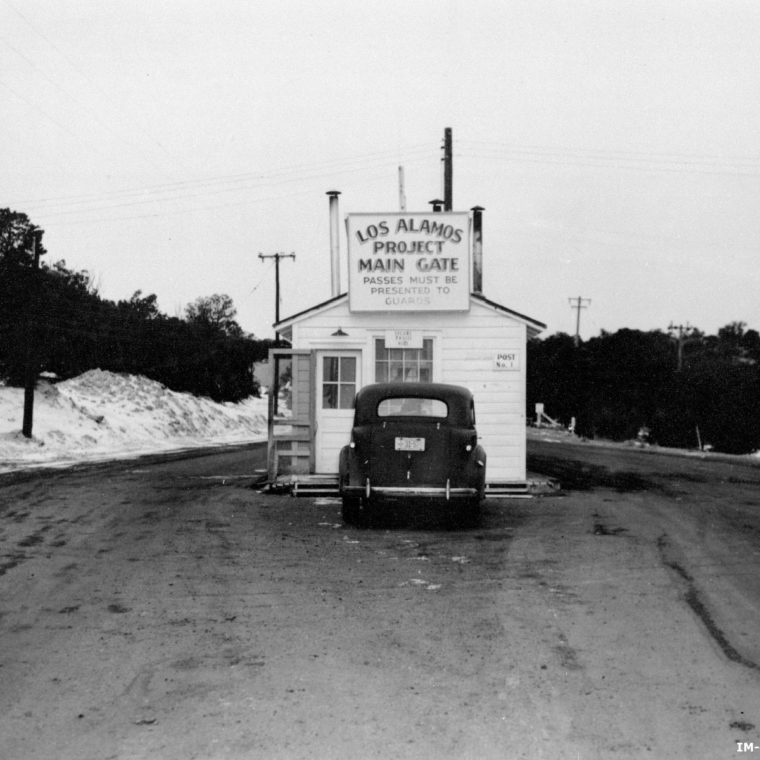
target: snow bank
103 415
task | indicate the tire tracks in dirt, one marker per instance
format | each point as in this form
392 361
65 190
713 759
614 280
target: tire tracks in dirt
694 600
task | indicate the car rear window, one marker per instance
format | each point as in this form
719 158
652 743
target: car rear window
413 407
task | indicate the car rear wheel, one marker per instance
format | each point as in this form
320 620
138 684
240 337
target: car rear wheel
351 510
469 515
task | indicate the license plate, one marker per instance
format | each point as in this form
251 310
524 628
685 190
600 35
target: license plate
410 444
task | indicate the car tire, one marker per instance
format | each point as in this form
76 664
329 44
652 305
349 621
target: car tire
469 516
351 510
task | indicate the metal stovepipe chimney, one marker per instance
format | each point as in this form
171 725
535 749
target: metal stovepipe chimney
477 249
334 243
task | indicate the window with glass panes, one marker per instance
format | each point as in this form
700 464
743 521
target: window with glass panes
338 382
406 365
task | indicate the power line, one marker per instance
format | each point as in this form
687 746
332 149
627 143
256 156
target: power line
167 192
172 188
90 219
639 161
26 100
82 74
616 154
261 281
93 114
90 208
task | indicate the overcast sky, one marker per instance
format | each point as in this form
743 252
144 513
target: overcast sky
614 145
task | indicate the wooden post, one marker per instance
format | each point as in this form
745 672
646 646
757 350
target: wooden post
448 171
31 369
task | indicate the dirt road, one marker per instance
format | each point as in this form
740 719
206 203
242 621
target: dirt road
167 610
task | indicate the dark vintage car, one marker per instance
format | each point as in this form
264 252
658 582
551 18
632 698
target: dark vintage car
413 445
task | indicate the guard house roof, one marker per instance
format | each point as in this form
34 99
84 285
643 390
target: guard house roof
533 325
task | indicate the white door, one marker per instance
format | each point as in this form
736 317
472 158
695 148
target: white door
338 379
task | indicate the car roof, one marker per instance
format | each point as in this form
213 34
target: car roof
414 390
459 399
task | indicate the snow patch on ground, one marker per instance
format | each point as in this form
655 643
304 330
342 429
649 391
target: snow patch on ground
103 415
560 435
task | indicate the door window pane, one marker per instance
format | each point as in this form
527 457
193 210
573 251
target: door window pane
330 369
338 382
348 369
330 396
347 393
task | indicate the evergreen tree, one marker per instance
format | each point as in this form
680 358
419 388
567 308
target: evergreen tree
73 329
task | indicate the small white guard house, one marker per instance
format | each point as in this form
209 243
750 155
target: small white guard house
414 311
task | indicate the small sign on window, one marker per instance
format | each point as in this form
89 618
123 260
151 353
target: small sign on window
403 339
507 360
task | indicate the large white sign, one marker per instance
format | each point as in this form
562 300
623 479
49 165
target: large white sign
409 262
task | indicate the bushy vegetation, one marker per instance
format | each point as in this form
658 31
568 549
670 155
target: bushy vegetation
688 389
55 317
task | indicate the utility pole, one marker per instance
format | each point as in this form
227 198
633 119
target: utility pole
277 257
448 171
31 368
685 335
578 304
